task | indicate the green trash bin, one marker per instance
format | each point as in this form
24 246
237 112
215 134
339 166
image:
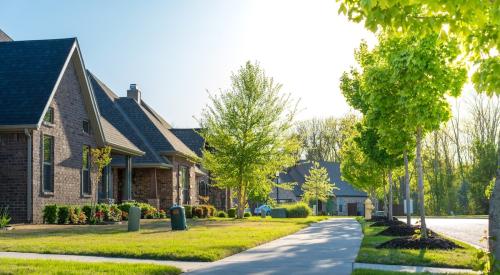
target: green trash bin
134 218
178 218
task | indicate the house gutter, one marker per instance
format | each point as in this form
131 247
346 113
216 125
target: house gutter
29 182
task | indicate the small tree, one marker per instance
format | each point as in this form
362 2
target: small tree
249 131
317 185
100 158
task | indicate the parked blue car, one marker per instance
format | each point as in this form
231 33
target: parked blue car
266 208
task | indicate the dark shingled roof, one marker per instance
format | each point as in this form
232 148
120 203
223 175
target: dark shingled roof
111 111
191 138
297 174
28 73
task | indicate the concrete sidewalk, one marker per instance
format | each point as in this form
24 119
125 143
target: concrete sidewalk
328 247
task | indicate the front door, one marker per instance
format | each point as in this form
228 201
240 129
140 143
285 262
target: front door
352 209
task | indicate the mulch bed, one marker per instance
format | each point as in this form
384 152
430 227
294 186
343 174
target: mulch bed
388 223
399 230
432 242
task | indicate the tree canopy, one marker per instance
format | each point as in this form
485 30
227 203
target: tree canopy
249 131
475 24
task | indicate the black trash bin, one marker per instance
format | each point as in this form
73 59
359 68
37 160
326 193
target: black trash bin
178 218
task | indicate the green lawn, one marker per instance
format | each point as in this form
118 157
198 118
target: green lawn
206 240
383 272
460 258
49 267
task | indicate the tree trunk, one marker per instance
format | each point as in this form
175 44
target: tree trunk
494 219
407 189
389 215
241 204
420 180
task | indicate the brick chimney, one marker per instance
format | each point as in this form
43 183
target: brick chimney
4 37
134 93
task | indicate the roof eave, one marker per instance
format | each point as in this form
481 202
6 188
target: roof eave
122 149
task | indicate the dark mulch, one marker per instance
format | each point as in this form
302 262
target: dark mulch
401 230
379 218
432 242
388 223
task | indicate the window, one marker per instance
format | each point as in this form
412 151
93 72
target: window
48 164
86 186
203 188
86 126
49 115
340 208
184 182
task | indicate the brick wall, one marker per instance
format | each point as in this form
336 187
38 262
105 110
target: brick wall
13 170
69 138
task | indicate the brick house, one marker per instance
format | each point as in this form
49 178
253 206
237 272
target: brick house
347 200
218 197
48 123
53 111
167 174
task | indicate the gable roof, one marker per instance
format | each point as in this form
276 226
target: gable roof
117 118
298 172
191 138
117 140
29 74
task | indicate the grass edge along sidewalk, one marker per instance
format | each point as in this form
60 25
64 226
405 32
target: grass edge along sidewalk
458 258
385 272
206 240
24 266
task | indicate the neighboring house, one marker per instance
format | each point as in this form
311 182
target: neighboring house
347 200
167 174
220 198
48 122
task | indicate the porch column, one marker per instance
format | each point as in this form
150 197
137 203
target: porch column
105 183
127 184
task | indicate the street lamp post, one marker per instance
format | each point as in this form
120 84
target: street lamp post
277 188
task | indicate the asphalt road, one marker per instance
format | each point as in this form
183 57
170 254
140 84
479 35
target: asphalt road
469 231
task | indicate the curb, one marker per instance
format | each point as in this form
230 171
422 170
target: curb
407 268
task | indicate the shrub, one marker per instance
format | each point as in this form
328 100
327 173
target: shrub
231 212
161 214
188 209
222 214
198 212
87 210
151 213
74 214
297 210
4 217
63 214
114 213
247 214
205 211
211 210
125 207
104 208
50 214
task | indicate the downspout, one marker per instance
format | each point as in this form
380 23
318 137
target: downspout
29 180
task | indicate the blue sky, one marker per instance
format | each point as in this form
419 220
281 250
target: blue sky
177 50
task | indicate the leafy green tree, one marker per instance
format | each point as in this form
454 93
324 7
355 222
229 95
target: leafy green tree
360 88
475 23
317 185
249 130
358 169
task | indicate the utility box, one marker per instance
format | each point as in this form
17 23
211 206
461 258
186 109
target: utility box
134 219
278 213
178 218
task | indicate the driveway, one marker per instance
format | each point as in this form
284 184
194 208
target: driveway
327 247
467 230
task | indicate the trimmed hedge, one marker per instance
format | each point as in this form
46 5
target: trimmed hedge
50 214
189 211
247 214
297 210
63 214
231 213
222 214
